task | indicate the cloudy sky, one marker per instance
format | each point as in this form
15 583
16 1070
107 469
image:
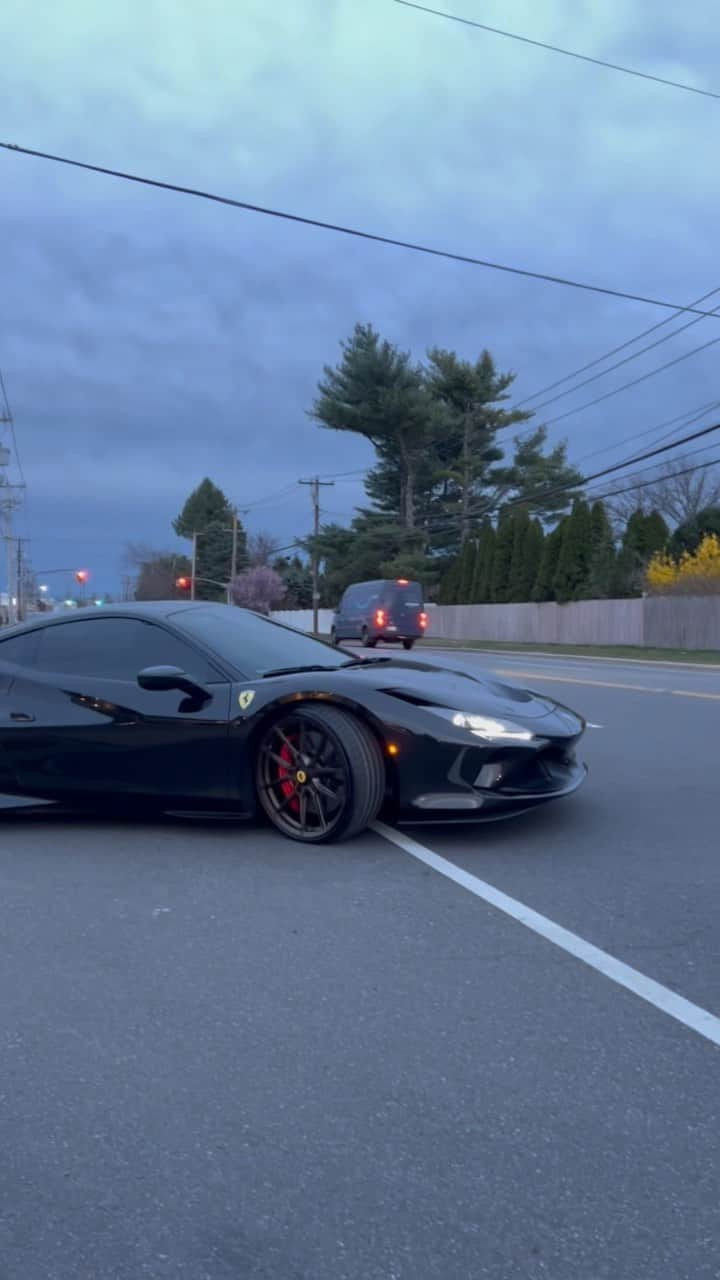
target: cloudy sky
148 339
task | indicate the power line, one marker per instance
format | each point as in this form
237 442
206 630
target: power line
687 419
645 484
571 486
356 232
553 48
630 342
669 364
618 364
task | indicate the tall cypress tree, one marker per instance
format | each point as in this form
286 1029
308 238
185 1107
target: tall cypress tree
643 536
602 561
534 545
544 583
573 570
467 570
502 560
521 529
482 582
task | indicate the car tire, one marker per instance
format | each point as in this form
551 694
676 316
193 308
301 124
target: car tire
364 638
408 644
350 763
333 637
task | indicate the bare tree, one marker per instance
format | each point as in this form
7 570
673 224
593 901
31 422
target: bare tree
157 571
676 497
261 548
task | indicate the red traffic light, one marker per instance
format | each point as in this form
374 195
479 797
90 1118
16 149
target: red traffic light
183 584
81 576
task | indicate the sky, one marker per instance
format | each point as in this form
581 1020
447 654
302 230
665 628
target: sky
148 339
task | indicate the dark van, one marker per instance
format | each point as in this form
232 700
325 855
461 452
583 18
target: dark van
390 610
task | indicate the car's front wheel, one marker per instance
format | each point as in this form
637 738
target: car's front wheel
319 775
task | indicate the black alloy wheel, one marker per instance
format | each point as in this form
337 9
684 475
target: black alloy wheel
320 775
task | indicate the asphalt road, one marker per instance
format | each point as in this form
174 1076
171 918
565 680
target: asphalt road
224 1056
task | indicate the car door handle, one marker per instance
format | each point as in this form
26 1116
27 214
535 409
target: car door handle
22 716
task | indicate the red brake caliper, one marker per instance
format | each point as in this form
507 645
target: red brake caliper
287 787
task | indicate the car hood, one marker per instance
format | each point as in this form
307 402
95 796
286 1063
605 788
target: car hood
424 685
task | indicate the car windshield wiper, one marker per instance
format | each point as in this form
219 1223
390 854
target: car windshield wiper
296 671
363 662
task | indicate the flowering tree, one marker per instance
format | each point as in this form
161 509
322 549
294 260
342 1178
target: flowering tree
259 588
695 573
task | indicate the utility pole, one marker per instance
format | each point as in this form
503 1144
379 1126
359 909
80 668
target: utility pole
233 555
315 485
19 572
194 565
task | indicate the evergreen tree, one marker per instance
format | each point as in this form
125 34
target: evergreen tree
544 582
482 580
467 571
208 513
572 576
450 582
689 534
521 529
602 560
644 536
534 545
502 560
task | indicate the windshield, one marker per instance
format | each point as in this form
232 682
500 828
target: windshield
252 643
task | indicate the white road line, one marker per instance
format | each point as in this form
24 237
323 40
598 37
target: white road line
690 1015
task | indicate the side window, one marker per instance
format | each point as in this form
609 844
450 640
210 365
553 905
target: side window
20 650
115 649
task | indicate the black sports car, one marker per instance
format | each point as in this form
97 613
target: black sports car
188 707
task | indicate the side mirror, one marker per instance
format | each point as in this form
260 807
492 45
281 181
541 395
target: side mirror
166 679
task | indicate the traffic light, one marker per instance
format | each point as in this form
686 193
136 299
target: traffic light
81 576
183 584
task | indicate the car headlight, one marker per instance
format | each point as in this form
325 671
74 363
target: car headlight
485 727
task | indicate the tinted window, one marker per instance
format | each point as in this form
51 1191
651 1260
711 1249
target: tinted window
20 649
408 596
115 649
254 644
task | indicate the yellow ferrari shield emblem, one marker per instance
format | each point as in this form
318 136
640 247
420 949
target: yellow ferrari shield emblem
245 698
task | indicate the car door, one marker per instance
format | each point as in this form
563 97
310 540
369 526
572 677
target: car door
76 720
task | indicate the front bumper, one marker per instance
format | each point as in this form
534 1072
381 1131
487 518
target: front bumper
479 785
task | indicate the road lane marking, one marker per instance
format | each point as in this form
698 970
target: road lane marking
605 684
691 1015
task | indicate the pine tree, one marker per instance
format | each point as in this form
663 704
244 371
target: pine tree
208 513
573 570
544 582
502 560
482 581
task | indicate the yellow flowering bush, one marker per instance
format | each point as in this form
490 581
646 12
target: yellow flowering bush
695 573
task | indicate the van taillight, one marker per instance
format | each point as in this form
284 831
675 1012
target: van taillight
423 620
380 618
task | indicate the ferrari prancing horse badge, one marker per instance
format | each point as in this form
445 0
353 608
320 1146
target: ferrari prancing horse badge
245 698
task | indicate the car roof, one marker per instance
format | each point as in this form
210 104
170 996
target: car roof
131 609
